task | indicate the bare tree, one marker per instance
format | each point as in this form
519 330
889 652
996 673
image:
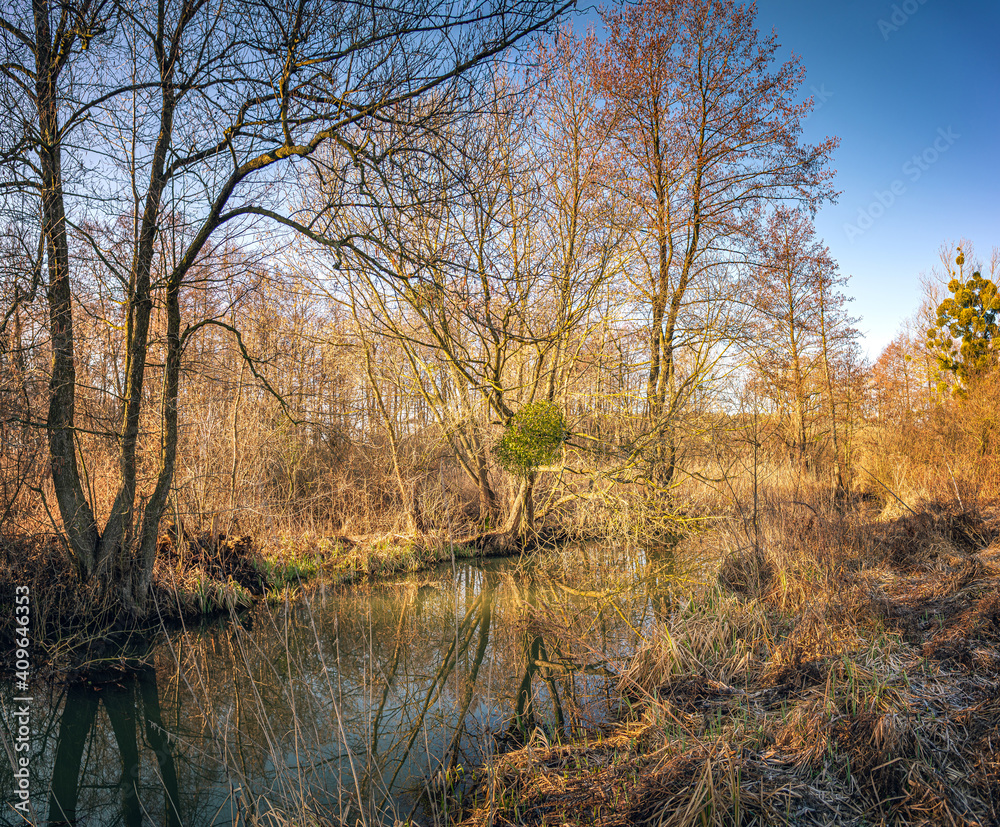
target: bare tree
801 330
498 269
185 117
707 129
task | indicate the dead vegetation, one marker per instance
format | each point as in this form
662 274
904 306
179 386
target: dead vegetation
76 622
844 672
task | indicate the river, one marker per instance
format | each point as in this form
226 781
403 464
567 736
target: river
364 704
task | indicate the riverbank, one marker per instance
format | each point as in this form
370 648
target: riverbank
204 577
845 670
315 675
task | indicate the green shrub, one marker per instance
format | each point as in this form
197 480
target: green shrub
532 439
966 328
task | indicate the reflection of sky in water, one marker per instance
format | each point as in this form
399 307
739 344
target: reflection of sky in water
334 698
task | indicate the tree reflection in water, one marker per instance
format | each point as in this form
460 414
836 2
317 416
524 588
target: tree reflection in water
359 705
131 702
362 703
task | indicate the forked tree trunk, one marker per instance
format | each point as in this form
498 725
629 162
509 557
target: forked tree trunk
519 523
521 516
115 556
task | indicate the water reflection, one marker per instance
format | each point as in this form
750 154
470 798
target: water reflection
133 699
100 754
360 705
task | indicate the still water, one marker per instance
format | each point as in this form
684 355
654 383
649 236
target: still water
360 704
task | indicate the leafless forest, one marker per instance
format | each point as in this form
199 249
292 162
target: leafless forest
437 271
296 294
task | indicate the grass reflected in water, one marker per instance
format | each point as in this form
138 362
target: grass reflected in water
366 704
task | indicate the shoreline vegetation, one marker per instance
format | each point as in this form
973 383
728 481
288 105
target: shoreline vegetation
844 671
206 577
841 665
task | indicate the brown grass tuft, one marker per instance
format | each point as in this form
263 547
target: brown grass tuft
856 682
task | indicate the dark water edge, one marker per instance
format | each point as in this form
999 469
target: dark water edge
361 704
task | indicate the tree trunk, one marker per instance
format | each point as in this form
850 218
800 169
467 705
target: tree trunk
527 522
487 498
137 574
838 477
78 518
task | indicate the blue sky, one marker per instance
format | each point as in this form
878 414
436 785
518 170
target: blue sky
912 88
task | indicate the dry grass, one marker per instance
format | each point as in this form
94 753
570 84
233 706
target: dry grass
841 670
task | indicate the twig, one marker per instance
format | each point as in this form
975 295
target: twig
891 492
